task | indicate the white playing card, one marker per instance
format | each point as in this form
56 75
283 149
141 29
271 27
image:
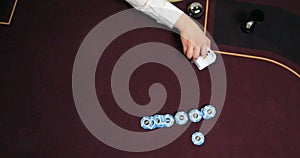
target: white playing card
203 62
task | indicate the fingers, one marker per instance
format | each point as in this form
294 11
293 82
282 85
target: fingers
203 50
208 43
190 52
196 53
195 47
184 45
204 46
184 48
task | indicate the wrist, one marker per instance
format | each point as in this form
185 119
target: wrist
184 22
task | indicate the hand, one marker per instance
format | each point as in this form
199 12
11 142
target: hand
194 41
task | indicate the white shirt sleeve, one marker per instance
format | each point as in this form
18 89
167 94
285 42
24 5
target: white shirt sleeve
161 10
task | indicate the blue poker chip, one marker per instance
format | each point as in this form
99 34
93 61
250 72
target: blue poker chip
198 138
181 118
148 123
169 120
159 121
208 112
195 115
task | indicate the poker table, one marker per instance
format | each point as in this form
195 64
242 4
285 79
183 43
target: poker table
63 93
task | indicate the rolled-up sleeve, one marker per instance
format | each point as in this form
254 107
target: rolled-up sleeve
161 10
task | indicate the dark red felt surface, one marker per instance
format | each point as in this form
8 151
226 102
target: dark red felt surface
6 7
38 118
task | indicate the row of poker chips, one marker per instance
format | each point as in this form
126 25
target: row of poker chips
157 121
180 118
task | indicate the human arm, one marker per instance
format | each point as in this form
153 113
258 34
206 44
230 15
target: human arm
193 39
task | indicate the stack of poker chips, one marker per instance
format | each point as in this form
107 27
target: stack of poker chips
180 118
198 138
195 115
207 112
157 121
